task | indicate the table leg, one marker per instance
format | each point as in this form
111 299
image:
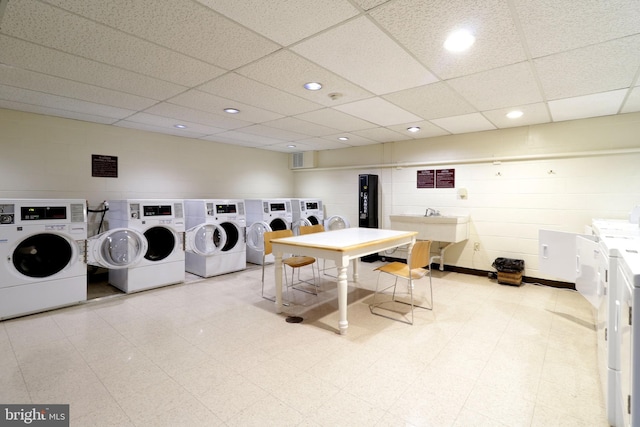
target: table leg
278 272
356 268
343 324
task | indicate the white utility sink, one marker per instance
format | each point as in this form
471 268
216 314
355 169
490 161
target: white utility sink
439 228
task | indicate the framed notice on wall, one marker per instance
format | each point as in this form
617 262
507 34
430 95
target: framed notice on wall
426 178
104 166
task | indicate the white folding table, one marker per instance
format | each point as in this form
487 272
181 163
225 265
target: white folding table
341 246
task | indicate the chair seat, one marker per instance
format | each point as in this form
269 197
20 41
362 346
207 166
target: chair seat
402 270
298 261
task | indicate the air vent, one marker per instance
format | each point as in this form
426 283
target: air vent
303 160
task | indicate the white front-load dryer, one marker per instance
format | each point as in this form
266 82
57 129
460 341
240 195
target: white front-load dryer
42 245
336 222
306 212
275 213
162 223
215 237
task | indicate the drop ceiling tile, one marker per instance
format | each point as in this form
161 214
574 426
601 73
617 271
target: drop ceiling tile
178 113
301 126
214 104
564 75
422 26
360 52
269 132
381 135
354 140
54 28
431 101
38 82
555 26
289 72
324 143
251 92
427 130
533 114
369 4
25 96
286 147
158 129
241 139
463 124
182 26
56 112
378 111
336 120
32 57
498 88
169 123
599 104
632 104
285 22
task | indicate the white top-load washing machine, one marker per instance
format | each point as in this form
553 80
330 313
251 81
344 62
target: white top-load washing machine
42 245
215 236
628 273
162 223
306 212
265 215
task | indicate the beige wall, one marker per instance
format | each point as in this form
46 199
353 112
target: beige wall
554 176
45 157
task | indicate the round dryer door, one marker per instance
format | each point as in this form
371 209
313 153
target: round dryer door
117 248
233 235
43 255
206 239
161 243
313 220
278 224
295 226
255 235
337 222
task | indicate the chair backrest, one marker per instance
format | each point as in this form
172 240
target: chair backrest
421 254
270 235
308 229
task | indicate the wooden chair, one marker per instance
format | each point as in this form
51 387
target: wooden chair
418 267
295 262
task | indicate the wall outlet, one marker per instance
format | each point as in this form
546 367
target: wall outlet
476 246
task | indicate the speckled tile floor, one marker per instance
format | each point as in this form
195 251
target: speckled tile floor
213 352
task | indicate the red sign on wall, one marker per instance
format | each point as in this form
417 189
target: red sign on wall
446 178
426 179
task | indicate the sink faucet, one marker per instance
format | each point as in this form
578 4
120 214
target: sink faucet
431 212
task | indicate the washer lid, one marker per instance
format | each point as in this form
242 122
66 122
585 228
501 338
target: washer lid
255 235
295 226
336 222
205 239
117 248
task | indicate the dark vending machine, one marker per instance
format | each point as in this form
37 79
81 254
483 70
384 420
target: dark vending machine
368 205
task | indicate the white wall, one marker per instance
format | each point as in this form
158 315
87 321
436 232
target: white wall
50 157
555 176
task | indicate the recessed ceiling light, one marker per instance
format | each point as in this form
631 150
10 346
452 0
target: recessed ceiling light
515 114
343 138
459 41
312 86
231 110
414 129
291 146
180 126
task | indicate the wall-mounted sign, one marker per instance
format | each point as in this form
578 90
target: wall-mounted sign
104 166
446 178
426 178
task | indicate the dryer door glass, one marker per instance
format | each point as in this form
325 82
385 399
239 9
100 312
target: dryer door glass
42 255
337 222
278 224
121 248
161 242
233 235
255 235
206 239
313 220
